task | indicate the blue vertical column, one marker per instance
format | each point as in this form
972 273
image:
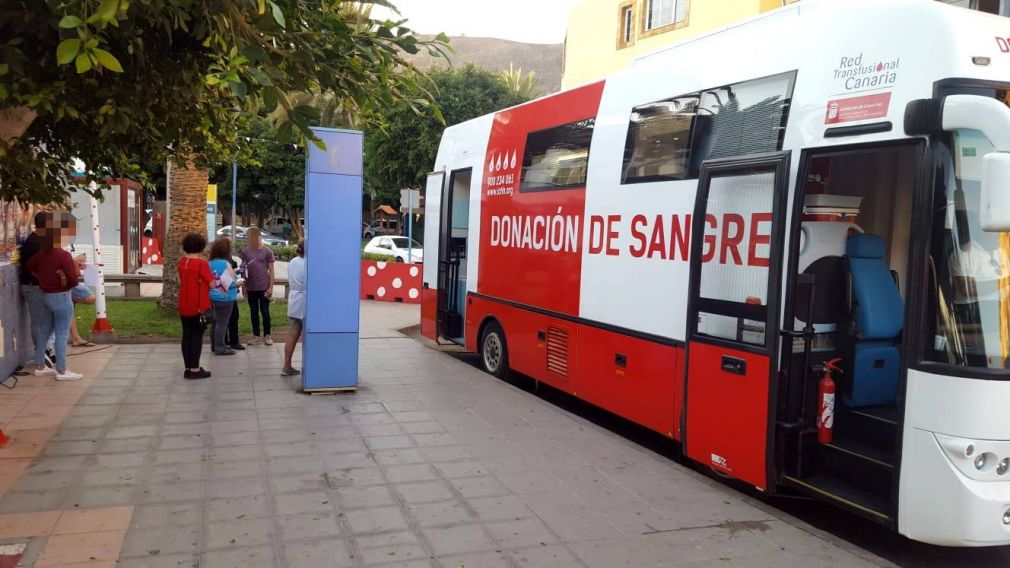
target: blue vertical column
333 261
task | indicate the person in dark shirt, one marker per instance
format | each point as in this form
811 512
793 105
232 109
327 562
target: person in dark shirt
30 285
57 274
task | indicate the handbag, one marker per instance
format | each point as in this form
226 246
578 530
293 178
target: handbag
207 319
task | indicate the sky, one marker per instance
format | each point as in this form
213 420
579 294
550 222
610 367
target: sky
532 21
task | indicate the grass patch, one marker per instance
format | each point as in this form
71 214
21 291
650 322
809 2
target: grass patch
143 318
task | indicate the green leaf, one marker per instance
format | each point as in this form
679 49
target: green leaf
4 69
83 63
67 50
278 14
262 6
70 22
107 60
107 9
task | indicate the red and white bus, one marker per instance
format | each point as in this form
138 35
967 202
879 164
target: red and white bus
688 242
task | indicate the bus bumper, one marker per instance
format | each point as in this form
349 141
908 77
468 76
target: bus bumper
944 499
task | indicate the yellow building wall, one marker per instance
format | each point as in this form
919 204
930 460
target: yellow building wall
593 48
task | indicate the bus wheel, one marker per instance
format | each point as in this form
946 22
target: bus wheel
493 351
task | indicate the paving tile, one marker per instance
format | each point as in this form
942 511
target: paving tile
176 473
228 470
388 442
410 472
127 445
94 520
305 502
519 533
174 514
103 496
499 508
484 486
375 520
492 559
235 453
553 556
308 526
237 508
423 492
458 540
239 533
246 557
31 501
329 552
440 513
361 497
158 541
27 525
166 492
239 487
66 549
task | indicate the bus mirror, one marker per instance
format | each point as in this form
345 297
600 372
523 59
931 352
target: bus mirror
994 205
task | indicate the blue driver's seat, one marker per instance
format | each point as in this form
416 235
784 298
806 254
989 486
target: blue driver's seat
878 315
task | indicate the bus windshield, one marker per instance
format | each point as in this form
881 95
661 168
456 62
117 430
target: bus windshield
969 267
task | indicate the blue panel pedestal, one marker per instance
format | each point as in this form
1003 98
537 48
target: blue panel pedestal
330 362
333 187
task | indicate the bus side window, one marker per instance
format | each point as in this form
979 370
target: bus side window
557 158
658 146
669 139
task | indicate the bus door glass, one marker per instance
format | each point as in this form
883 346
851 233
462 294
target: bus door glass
732 332
452 246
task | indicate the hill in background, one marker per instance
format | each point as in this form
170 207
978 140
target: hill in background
496 55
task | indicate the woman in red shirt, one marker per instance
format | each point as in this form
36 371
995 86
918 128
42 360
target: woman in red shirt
195 279
57 274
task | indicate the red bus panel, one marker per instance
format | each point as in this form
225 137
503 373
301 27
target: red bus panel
732 439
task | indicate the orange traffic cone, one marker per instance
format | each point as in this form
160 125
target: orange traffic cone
5 440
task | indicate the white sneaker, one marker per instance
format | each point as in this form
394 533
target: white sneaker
69 375
45 372
255 341
268 340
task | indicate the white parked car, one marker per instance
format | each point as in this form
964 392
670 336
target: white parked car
395 247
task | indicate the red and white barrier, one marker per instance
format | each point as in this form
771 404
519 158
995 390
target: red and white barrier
150 251
391 281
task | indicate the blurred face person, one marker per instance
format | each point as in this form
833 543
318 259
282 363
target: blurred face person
255 240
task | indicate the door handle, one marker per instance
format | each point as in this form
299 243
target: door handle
734 365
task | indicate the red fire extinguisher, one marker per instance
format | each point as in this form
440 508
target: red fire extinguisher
826 400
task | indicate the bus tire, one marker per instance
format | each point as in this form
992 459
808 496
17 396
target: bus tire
494 350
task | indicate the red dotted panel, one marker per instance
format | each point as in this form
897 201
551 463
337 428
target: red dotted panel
391 281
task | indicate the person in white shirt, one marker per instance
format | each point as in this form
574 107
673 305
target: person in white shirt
296 308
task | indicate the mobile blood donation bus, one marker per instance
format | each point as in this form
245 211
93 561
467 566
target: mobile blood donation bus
687 243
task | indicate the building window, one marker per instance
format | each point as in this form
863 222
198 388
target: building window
626 26
558 157
660 13
669 139
989 6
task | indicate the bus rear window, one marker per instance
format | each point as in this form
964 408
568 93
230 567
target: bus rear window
669 139
558 157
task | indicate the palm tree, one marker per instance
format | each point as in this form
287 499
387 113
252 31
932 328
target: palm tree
526 86
186 214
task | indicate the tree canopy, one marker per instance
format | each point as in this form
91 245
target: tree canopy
116 83
402 152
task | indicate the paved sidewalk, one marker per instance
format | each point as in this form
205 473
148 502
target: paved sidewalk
430 463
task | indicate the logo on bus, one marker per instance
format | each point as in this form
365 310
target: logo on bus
1003 44
859 75
501 175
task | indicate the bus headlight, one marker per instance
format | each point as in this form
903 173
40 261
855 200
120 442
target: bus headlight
980 461
1003 465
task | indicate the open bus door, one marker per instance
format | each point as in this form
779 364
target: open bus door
452 244
732 328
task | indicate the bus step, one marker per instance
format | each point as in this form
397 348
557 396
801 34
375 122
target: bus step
868 426
871 453
848 495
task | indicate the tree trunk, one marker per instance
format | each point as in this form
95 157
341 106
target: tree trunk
188 214
296 225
